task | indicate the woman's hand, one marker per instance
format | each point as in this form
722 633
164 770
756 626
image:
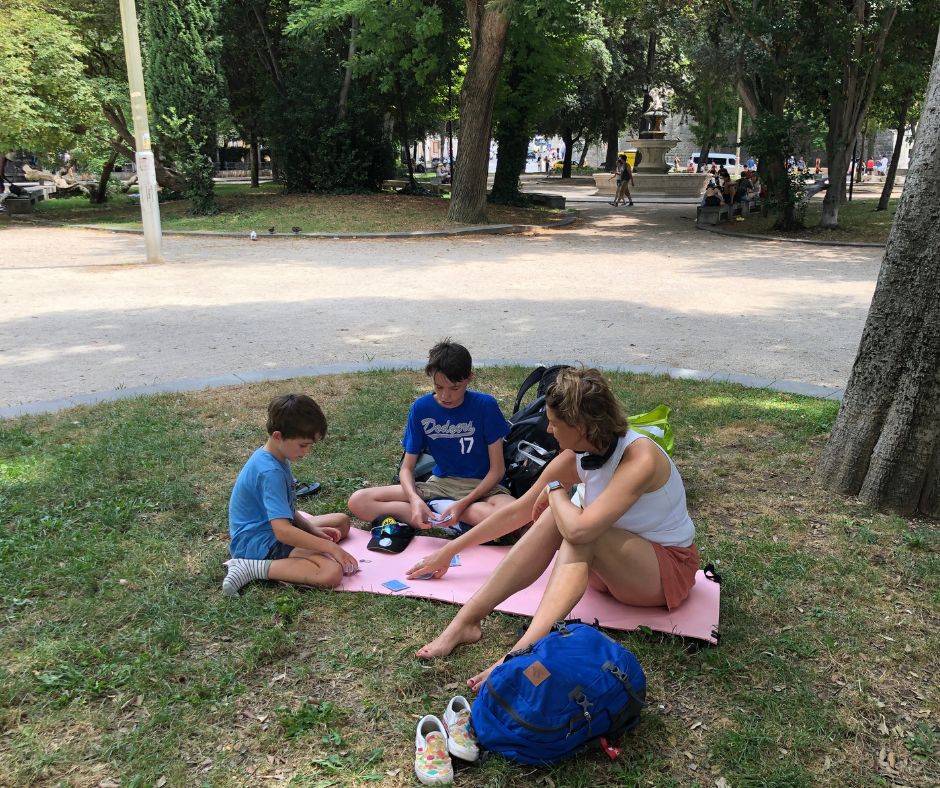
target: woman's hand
432 566
540 505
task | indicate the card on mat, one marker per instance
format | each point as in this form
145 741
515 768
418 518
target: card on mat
395 585
455 561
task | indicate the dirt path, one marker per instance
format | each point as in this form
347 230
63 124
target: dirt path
80 314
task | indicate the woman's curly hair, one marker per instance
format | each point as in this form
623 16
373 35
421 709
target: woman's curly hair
582 397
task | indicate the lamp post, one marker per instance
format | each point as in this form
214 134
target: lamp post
737 150
146 172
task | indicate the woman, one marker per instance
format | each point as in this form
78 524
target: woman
624 175
633 539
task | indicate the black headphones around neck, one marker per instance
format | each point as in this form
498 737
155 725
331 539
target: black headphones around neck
591 462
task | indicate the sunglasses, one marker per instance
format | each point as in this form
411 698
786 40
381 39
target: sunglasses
390 530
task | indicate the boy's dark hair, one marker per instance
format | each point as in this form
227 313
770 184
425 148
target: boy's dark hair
296 416
451 360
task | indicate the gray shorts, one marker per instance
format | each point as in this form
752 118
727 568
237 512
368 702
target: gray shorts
454 488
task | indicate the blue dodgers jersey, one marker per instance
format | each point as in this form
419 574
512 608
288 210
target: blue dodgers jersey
458 438
263 491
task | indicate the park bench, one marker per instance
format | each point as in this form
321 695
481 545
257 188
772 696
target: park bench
712 214
434 188
19 205
548 200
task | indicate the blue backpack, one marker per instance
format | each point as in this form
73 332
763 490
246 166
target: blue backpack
544 703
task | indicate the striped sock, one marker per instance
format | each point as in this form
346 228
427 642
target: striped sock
242 571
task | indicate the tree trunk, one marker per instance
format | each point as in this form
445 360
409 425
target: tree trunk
100 195
510 161
895 158
254 156
584 152
612 139
488 26
166 178
347 77
885 444
838 159
849 104
703 158
568 137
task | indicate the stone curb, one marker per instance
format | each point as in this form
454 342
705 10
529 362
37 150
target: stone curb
476 229
719 231
257 376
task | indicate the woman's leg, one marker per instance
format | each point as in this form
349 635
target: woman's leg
522 566
627 566
619 562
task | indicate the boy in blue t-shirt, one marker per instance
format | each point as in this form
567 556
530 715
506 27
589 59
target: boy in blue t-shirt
270 538
463 430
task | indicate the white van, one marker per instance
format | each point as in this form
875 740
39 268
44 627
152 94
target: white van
726 160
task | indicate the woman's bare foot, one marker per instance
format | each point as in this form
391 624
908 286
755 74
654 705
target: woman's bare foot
477 681
453 635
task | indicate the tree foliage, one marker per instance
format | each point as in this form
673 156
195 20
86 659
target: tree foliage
48 105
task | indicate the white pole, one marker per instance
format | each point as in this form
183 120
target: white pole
737 150
146 173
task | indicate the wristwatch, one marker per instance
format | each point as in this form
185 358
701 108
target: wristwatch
554 485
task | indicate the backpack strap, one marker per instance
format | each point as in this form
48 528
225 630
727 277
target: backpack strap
531 379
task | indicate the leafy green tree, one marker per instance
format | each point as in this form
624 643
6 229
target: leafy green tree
840 68
551 48
702 87
898 100
765 34
405 51
185 88
47 103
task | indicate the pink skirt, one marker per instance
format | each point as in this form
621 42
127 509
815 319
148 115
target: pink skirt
677 568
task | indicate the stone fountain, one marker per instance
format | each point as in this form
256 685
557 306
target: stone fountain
651 175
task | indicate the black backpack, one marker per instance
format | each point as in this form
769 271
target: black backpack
529 447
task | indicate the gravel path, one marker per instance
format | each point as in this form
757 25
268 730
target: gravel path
79 313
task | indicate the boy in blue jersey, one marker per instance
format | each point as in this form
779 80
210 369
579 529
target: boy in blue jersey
270 538
463 430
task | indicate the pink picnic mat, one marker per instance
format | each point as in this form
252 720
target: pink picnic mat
697 617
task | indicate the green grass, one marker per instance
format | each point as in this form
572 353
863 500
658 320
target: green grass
122 661
243 209
858 222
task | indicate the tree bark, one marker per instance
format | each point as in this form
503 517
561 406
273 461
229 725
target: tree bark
166 178
488 26
895 158
510 161
885 444
254 155
584 152
100 195
568 136
347 77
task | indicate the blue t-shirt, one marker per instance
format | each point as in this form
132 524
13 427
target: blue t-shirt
263 491
457 438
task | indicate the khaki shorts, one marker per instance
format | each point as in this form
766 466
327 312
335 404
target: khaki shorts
454 488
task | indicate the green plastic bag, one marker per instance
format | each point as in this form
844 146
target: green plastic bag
655 426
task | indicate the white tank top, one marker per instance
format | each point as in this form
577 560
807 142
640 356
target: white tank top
660 516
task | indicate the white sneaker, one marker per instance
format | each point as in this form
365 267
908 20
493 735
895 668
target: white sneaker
432 763
461 740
